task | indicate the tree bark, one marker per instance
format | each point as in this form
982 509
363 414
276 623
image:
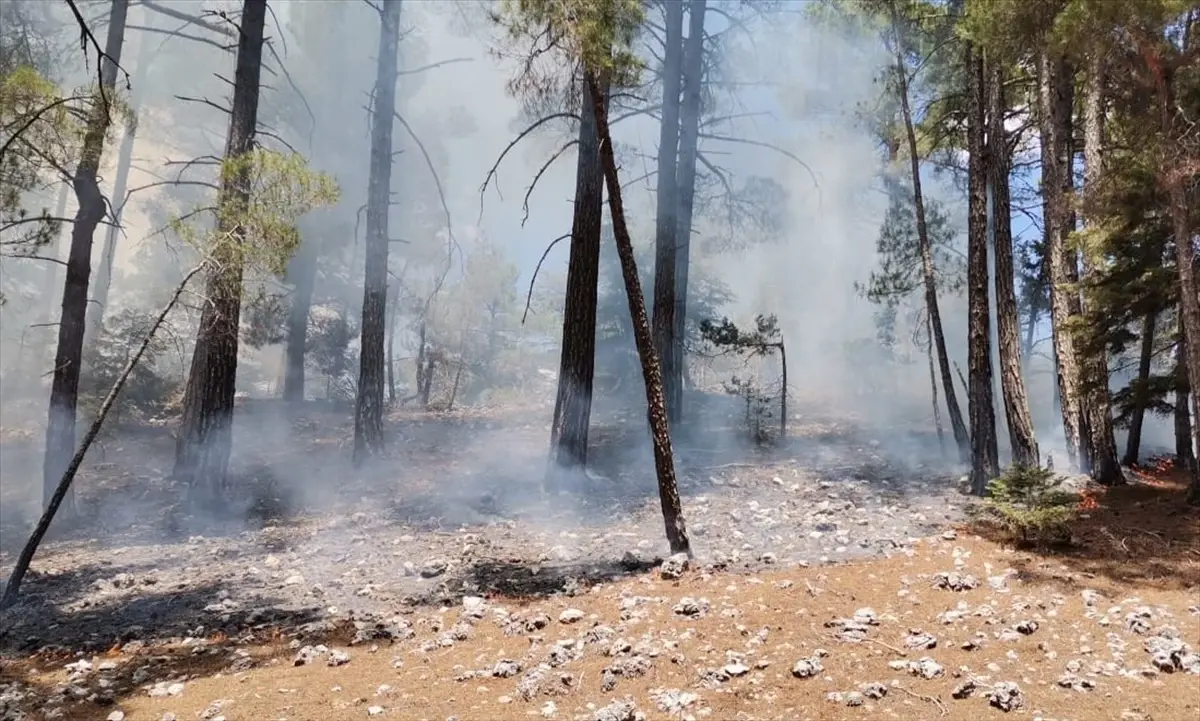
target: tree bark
928 272
1185 455
1104 465
1012 381
124 161
685 171
205 438
393 318
368 409
933 386
985 464
577 362
1054 104
63 486
660 428
1141 396
304 279
64 390
667 211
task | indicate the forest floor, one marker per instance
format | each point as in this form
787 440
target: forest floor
834 578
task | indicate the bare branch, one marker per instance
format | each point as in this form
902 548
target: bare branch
538 176
438 64
203 101
37 114
189 19
521 136
183 36
529 296
777 149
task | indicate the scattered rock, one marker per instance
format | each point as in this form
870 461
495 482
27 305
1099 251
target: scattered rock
807 667
1006 696
963 690
571 615
953 581
674 567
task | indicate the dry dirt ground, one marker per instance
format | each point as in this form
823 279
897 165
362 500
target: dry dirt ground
831 581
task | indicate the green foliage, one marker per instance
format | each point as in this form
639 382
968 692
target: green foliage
599 33
726 336
327 350
1028 504
148 392
281 188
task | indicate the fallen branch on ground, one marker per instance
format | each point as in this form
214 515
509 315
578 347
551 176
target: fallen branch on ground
43 524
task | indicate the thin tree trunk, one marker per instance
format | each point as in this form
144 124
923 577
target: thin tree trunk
933 386
660 427
961 438
124 161
393 317
783 411
304 272
1141 395
1054 104
205 438
64 390
1105 466
368 409
577 363
63 487
667 213
685 172
50 280
985 464
1012 381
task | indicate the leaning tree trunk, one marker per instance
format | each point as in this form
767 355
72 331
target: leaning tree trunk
124 161
1105 467
933 386
205 437
303 274
1008 330
660 427
1054 104
577 364
928 272
368 409
1141 392
666 230
685 173
64 390
985 464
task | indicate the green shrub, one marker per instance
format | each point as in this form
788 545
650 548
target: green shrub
1029 504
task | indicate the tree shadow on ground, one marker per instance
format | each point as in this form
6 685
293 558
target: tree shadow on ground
1143 533
96 608
525 580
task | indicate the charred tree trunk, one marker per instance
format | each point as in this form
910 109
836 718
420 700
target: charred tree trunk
685 173
667 212
1185 455
660 427
1054 104
205 437
1012 381
933 386
304 278
64 390
124 161
368 408
1141 395
1104 465
985 463
929 274
577 364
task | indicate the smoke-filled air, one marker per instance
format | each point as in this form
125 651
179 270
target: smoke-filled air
599 360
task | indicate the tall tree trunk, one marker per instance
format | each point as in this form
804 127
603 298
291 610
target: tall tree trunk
667 215
64 390
985 463
304 279
1141 395
1185 455
685 173
577 362
933 386
1012 381
1054 104
929 274
1189 310
660 427
205 438
393 317
124 161
1105 467
368 410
